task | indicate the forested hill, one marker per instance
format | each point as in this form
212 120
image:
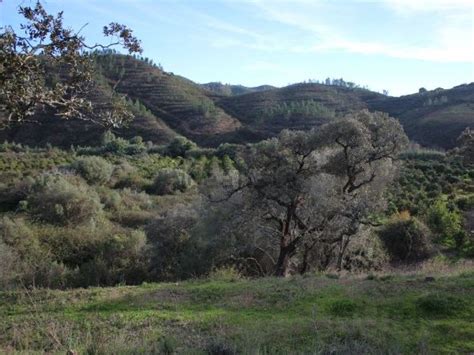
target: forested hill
230 90
166 104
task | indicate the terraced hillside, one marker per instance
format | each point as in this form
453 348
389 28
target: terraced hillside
45 128
229 89
299 106
432 118
182 104
166 104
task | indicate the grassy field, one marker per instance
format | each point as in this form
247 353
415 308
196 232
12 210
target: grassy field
389 313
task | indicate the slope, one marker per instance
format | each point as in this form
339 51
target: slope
46 128
182 104
230 90
432 118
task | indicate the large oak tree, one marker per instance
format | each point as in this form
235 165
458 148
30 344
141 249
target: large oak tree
304 189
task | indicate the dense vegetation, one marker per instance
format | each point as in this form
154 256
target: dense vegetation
338 207
125 212
166 105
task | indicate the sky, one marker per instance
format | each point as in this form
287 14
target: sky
394 45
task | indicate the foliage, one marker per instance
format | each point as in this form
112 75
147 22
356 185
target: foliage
179 146
446 223
95 170
317 185
80 256
26 84
168 181
466 146
406 240
172 250
61 200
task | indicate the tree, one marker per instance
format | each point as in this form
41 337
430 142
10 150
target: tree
466 146
308 188
27 61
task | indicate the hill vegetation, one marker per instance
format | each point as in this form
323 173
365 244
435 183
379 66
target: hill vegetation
296 219
210 114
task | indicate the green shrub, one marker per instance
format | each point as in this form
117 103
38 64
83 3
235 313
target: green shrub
57 200
172 249
95 170
169 181
13 193
104 254
466 203
446 223
110 199
24 261
135 201
179 146
365 252
406 240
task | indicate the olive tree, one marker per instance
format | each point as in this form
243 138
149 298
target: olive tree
308 188
44 46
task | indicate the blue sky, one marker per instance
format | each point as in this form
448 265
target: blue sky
398 45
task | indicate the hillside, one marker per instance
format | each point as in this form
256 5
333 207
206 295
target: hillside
45 128
315 314
166 104
230 90
432 118
299 106
182 104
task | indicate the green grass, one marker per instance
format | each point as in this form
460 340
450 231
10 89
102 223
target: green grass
313 314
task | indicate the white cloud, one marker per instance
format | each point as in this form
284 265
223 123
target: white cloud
409 6
452 41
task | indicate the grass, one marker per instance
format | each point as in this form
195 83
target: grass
311 314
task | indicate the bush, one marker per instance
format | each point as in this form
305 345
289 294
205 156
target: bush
23 260
365 252
169 181
95 170
406 240
466 203
446 223
12 194
179 146
173 251
55 199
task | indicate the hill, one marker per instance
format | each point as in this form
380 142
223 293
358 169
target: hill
432 118
230 90
315 314
45 128
166 105
182 104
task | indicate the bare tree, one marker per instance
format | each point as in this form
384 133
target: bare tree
45 46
